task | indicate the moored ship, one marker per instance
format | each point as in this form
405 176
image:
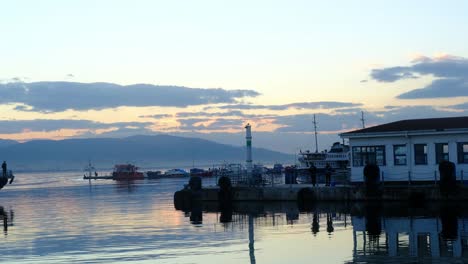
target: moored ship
175 173
201 172
126 172
338 158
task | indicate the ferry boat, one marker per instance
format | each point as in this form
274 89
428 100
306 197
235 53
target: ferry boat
201 172
126 172
277 169
338 157
174 173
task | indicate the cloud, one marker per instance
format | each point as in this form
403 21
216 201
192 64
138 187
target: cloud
158 116
233 113
463 106
392 74
451 73
223 123
207 114
340 121
189 124
325 122
301 105
450 87
18 126
60 96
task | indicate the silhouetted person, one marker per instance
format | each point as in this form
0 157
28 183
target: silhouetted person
4 169
371 178
448 181
313 174
95 174
328 172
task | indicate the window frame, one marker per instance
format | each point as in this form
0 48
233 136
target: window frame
439 157
461 154
367 154
395 155
425 154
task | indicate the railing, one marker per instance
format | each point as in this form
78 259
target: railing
411 176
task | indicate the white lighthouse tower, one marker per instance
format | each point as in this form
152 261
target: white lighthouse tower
248 138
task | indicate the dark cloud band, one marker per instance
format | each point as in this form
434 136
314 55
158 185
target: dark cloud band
60 96
451 75
46 125
302 105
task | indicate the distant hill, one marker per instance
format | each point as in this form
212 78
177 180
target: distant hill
144 151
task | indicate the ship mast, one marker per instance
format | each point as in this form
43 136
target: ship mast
315 130
363 120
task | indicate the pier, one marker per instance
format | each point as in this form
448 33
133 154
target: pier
306 193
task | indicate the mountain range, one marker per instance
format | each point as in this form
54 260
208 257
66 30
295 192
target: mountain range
158 151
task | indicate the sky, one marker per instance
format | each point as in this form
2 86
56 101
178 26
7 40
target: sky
206 68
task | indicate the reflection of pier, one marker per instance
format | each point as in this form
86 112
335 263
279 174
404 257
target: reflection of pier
381 231
250 216
423 237
411 237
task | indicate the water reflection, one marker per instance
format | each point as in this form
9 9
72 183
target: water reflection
315 224
67 221
7 218
438 232
381 232
128 186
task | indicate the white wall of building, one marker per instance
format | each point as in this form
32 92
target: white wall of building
392 172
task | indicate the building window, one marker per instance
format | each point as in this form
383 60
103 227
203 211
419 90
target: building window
399 155
441 152
420 154
368 155
462 149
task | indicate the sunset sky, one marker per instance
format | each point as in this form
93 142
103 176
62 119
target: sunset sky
206 68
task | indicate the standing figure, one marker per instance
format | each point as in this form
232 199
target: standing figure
4 169
328 172
313 174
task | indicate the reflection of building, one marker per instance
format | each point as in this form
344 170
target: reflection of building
410 150
410 237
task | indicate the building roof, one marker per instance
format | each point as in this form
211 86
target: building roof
427 124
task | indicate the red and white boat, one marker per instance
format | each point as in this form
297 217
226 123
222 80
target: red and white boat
126 172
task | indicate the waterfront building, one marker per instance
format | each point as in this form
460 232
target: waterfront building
410 150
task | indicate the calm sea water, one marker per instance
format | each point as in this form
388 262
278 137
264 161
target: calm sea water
60 218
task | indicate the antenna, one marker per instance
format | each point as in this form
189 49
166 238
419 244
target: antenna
315 129
363 120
